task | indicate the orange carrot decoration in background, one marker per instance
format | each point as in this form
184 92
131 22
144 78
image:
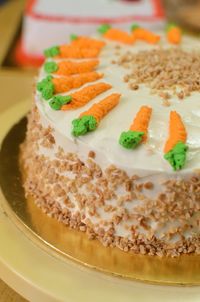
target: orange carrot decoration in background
138 130
89 120
116 34
175 148
143 34
80 48
86 42
174 34
85 95
50 86
70 67
68 51
73 52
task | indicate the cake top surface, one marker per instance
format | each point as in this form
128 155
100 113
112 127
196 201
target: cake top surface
146 95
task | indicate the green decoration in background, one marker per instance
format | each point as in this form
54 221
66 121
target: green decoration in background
52 52
170 26
73 37
103 28
134 26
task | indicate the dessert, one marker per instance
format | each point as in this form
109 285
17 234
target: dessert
112 146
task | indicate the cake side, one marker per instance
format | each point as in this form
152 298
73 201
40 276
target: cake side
139 214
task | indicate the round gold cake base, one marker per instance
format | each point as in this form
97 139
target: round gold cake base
65 242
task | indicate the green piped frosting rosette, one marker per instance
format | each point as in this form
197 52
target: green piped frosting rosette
52 52
131 139
83 125
46 87
177 156
58 101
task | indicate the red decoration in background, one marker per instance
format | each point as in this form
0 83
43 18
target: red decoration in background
25 59
158 13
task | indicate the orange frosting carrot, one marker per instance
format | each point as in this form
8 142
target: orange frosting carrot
143 34
174 35
70 67
116 34
64 84
85 95
88 121
138 131
177 132
70 51
141 121
119 35
86 42
99 110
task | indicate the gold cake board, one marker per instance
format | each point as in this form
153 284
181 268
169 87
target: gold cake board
28 244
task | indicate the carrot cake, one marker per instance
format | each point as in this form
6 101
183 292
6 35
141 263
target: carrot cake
112 145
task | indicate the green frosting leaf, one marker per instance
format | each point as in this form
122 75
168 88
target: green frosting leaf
59 100
47 93
52 51
177 156
50 67
134 26
46 87
55 105
41 84
83 125
62 99
130 139
103 28
170 26
73 37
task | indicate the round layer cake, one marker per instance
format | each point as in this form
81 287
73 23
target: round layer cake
112 146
